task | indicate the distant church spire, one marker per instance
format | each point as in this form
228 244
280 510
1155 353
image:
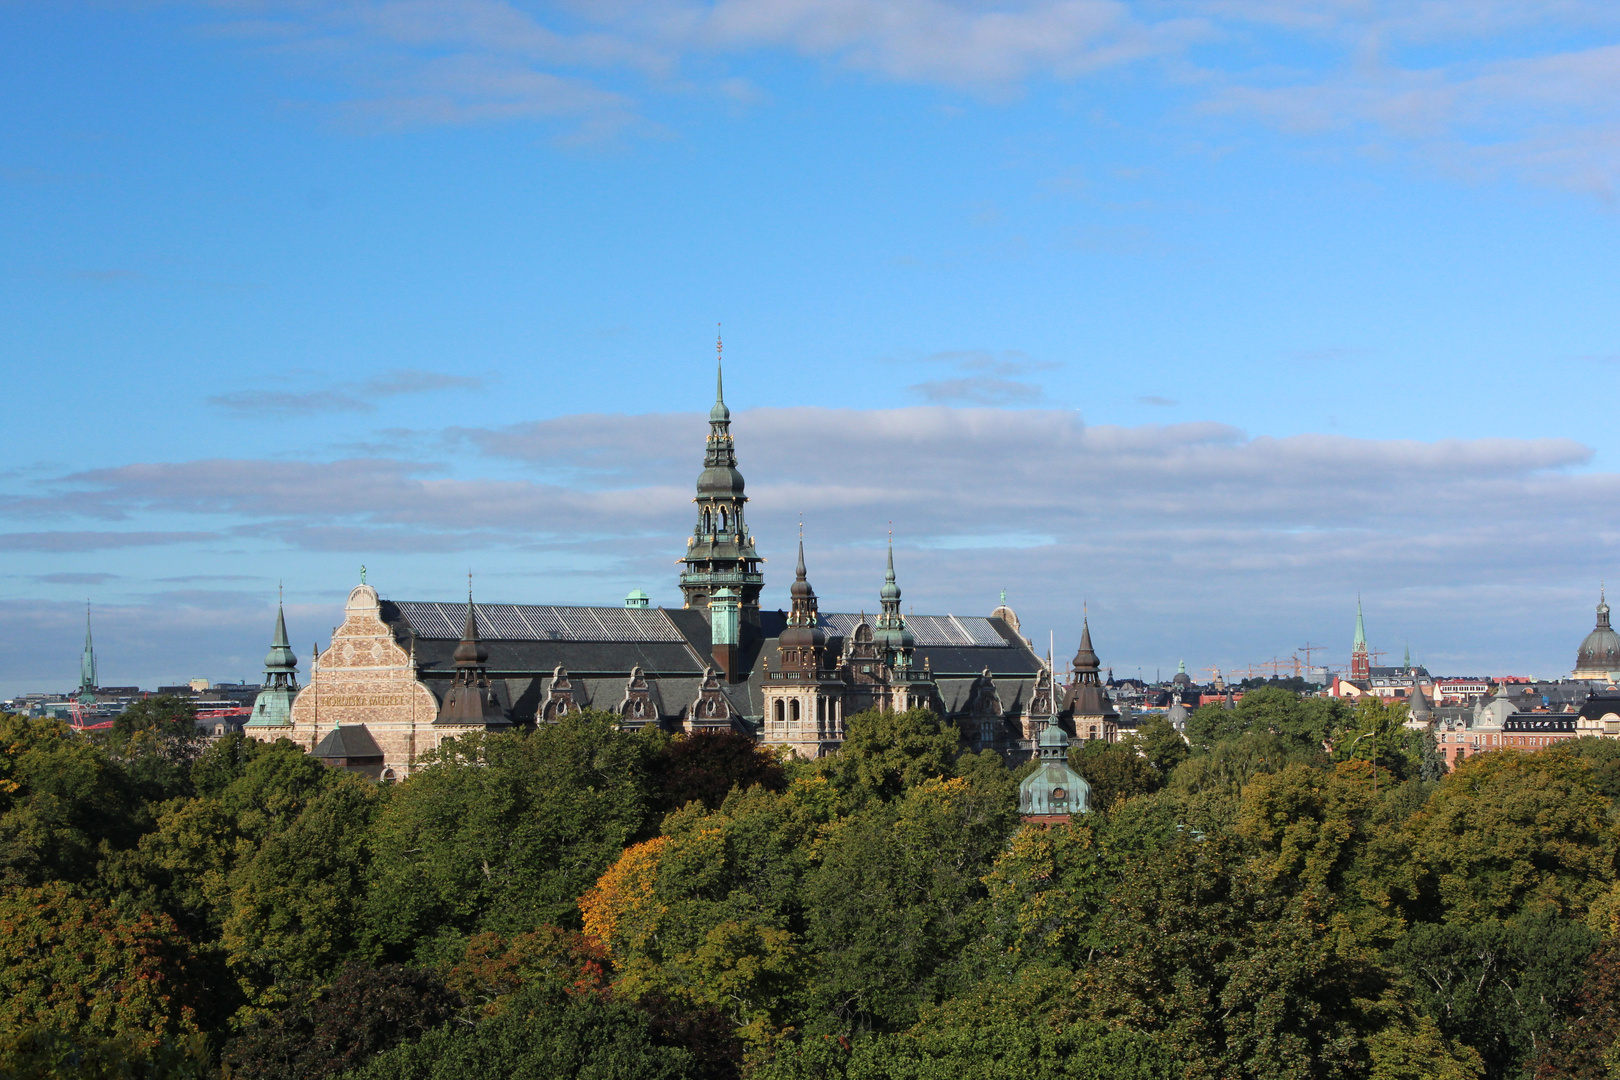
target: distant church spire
88 680
1360 661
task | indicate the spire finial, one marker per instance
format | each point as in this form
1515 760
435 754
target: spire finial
469 585
719 350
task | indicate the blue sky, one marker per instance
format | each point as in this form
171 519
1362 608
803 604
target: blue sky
1210 314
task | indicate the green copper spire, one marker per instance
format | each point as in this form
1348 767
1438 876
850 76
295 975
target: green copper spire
719 414
1407 663
892 635
273 706
720 552
1361 629
87 663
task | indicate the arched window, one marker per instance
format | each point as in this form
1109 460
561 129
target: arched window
793 710
723 527
706 522
778 711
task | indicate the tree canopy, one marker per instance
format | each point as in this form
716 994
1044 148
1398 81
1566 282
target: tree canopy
1292 890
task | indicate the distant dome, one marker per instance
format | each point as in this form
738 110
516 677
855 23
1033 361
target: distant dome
1600 652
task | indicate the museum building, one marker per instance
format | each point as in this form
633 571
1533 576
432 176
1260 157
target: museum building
401 676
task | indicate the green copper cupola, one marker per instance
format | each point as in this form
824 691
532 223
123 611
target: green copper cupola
273 706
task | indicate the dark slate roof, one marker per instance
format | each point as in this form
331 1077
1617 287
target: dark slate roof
533 622
671 646
349 741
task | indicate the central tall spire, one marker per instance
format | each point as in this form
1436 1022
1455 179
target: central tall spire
720 552
88 680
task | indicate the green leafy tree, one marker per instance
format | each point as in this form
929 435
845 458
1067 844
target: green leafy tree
886 753
72 965
1507 990
1115 771
545 1033
1216 963
1604 756
706 766
898 895
503 832
1375 731
1162 745
49 1054
709 914
1303 724
157 739
297 906
1506 832
1003 1029
63 803
1047 892
364 1012
1588 1046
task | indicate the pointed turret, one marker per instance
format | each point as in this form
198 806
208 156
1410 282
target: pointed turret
892 637
1419 702
720 552
801 647
1085 657
273 706
470 653
1086 702
471 701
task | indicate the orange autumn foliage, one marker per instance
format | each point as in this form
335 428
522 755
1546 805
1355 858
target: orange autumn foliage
620 908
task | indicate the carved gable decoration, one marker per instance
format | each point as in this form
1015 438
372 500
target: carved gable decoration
861 646
712 707
361 678
638 704
559 696
984 699
1040 698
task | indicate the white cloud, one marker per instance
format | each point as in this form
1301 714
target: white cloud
1524 88
1187 539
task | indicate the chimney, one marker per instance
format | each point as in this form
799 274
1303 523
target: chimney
725 633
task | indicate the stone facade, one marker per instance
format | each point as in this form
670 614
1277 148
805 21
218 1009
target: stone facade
364 678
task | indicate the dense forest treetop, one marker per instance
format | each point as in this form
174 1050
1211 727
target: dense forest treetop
1297 888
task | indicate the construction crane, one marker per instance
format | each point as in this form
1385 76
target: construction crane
1307 649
